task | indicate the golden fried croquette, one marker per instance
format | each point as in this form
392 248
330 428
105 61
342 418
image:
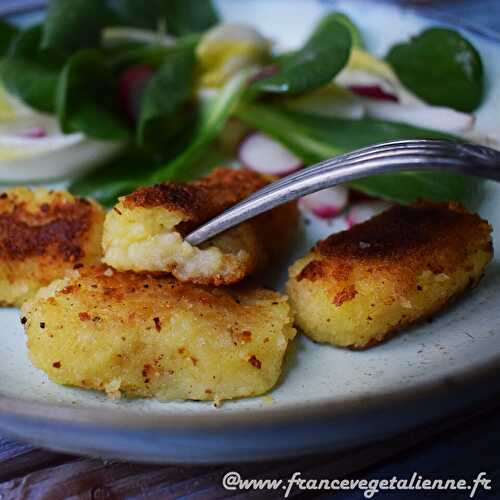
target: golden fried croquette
357 287
144 232
147 336
42 235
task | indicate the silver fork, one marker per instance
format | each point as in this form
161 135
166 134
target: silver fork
394 156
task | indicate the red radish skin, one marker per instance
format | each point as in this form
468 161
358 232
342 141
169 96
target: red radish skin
361 212
33 133
327 203
131 85
264 73
372 92
261 153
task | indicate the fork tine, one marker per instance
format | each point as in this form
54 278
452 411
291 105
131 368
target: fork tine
366 153
388 157
408 155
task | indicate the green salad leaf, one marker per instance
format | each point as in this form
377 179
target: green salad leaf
323 56
26 43
147 14
86 98
117 177
150 54
72 25
7 34
180 17
357 37
194 156
165 98
29 73
441 67
315 138
212 118
190 16
33 83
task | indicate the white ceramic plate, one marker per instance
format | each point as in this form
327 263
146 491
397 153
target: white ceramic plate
327 397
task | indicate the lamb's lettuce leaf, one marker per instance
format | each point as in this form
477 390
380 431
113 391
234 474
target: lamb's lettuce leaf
7 34
71 25
213 115
315 138
178 17
441 67
166 97
86 99
29 73
317 63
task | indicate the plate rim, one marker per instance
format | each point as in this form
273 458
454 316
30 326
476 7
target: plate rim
264 416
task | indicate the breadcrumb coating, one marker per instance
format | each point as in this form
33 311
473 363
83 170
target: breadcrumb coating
359 286
42 235
144 232
153 336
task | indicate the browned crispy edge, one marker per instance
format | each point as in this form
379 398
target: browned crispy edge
202 199
116 286
404 239
56 229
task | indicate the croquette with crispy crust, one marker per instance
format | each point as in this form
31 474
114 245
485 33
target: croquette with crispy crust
144 232
147 336
42 235
357 287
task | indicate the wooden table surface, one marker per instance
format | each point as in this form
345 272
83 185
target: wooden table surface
459 447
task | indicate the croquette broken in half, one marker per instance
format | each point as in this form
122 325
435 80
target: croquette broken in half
144 232
146 336
357 287
42 235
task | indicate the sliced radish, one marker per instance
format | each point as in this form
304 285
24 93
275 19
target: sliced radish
131 85
265 72
327 203
34 133
261 153
421 115
388 84
372 92
361 212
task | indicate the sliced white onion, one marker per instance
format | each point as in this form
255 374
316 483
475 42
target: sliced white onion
116 35
261 153
327 203
420 115
17 146
363 211
34 149
48 159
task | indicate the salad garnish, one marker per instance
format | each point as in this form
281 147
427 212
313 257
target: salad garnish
169 84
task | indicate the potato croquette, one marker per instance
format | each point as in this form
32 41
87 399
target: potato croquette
147 336
145 231
359 286
42 235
